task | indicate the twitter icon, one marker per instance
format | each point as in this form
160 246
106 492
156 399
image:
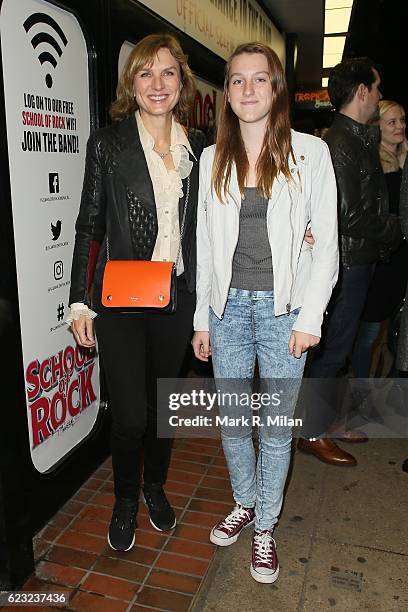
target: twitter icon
56 230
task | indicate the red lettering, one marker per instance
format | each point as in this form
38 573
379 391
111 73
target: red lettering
73 409
40 412
69 360
32 118
57 367
58 122
33 382
56 421
45 369
87 392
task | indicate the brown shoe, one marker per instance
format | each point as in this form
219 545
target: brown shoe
327 451
354 436
405 465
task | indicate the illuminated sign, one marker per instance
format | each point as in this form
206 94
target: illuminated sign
312 100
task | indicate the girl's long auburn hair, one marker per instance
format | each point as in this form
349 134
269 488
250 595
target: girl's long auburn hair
143 54
277 143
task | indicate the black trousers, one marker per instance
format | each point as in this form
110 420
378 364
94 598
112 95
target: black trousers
136 350
339 333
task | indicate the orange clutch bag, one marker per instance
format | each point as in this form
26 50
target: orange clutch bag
140 286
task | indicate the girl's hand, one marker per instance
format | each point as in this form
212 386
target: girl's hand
300 342
82 329
201 345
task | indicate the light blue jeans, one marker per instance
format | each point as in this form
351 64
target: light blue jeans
250 330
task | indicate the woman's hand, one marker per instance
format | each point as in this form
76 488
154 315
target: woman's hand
82 329
201 345
300 342
309 237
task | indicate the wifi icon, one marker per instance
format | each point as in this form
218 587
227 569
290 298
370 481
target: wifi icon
45 38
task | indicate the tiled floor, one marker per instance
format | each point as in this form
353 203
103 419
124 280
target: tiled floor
162 571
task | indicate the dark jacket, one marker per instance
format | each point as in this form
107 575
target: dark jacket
367 231
402 352
118 205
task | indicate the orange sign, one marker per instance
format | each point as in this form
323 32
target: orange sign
316 99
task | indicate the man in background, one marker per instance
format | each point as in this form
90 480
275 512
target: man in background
367 234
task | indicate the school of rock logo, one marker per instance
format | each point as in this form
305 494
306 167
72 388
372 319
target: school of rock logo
58 390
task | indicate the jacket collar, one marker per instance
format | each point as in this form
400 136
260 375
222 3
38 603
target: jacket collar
278 183
178 136
392 162
357 128
132 165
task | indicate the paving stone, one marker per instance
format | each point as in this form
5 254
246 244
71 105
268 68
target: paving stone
229 580
363 505
345 578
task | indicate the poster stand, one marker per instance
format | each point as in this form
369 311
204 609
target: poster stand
29 496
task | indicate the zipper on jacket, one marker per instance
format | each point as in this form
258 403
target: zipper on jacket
288 305
235 246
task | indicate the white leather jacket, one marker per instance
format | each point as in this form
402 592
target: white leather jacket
304 276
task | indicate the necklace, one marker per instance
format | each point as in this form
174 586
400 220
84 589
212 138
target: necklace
162 155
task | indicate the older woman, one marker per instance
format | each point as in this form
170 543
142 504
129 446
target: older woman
139 202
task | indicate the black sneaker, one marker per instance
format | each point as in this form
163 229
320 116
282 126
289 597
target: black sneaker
162 515
121 535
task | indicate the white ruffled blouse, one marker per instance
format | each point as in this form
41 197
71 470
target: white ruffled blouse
168 189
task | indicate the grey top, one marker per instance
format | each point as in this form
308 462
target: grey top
252 263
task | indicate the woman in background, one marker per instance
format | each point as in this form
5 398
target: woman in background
388 285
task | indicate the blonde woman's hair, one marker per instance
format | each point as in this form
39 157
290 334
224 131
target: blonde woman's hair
277 143
143 55
385 105
391 162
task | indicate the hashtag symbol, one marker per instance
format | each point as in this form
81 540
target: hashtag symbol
60 312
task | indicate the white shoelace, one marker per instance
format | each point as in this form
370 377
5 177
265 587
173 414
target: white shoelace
263 547
234 517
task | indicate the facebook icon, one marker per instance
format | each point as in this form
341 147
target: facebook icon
53 182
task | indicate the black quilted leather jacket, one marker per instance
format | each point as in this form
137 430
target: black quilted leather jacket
118 207
367 231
